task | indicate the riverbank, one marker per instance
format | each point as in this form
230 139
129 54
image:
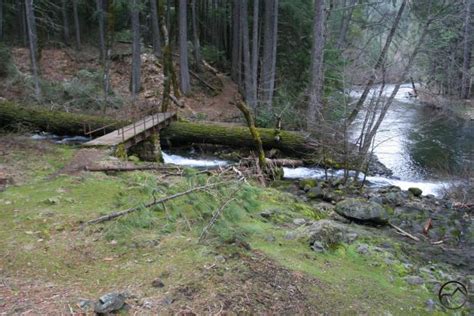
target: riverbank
462 109
272 249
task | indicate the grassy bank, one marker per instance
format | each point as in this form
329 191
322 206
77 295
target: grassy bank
246 263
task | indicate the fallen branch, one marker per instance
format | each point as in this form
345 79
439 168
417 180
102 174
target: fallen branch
128 168
116 214
275 162
176 101
404 233
216 215
195 75
212 69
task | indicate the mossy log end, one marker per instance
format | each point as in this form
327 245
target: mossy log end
14 117
181 133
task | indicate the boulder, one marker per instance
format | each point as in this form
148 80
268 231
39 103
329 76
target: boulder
395 198
157 283
299 221
415 191
362 211
315 193
325 234
414 280
109 302
363 249
307 183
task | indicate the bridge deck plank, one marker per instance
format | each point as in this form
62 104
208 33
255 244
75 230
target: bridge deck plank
128 132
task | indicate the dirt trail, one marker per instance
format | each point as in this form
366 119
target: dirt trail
215 108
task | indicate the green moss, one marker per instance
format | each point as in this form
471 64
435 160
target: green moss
121 152
311 183
343 270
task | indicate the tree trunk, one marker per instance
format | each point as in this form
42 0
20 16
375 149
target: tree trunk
65 21
249 97
108 50
168 68
33 41
155 28
76 24
253 131
135 82
466 66
380 62
100 18
21 21
197 46
236 60
1 20
346 21
56 122
315 106
255 50
267 76
183 48
182 133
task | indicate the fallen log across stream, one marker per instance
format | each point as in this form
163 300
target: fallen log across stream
17 117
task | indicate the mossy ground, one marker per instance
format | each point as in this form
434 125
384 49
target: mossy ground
41 238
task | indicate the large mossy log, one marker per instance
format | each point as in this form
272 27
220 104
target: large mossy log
14 117
180 133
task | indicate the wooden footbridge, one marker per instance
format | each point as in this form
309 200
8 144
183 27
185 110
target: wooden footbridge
134 133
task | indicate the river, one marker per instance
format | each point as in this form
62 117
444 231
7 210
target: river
422 147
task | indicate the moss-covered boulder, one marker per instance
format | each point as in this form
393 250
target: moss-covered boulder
415 191
307 183
328 234
362 211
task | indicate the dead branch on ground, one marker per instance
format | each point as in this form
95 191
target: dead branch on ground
116 214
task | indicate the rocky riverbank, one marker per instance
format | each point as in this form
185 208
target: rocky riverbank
429 239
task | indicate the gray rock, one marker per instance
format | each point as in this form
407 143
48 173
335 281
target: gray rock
393 198
318 246
291 235
415 191
315 193
414 280
299 221
270 238
351 237
363 249
430 305
109 302
339 218
329 233
376 199
267 214
157 283
362 211
86 305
